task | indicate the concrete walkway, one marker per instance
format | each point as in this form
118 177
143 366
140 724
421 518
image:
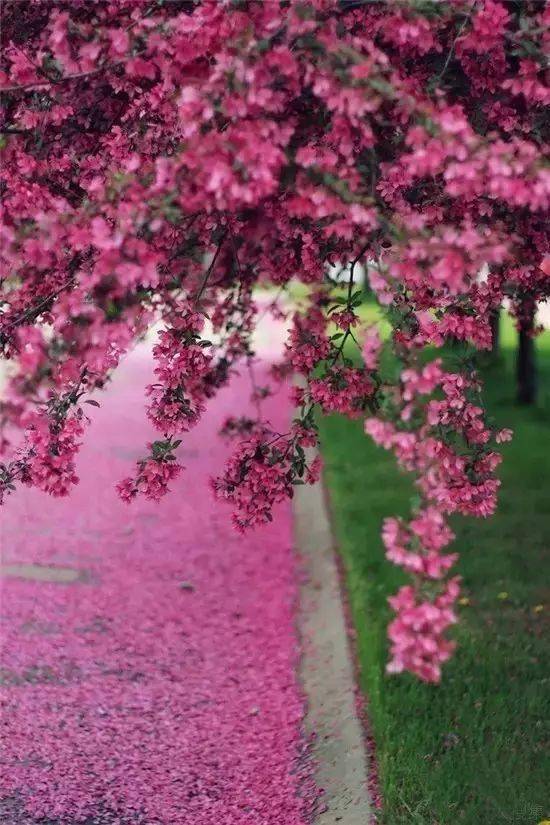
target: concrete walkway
150 652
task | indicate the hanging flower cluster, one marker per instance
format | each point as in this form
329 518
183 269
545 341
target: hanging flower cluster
153 474
181 364
161 160
260 474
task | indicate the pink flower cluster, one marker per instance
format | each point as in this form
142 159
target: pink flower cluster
346 390
417 634
372 347
449 451
51 452
417 546
308 343
153 475
260 474
181 365
46 459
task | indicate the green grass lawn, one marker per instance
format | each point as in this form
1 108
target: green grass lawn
472 750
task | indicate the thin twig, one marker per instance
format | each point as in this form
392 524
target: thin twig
38 84
208 272
38 307
453 44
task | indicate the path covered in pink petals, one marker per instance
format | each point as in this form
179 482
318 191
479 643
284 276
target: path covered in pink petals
156 681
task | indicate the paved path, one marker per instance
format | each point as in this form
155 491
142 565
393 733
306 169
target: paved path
154 682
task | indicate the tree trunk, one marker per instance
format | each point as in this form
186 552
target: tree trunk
495 333
526 368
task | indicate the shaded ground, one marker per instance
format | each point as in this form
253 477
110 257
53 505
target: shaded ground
157 683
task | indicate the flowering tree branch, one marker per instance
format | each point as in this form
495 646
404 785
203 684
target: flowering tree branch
138 139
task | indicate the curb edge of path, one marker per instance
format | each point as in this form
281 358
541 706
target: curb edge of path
327 671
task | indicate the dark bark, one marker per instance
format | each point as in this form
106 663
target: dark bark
495 332
526 367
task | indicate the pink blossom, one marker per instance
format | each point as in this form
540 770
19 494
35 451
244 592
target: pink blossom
346 391
153 476
372 345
